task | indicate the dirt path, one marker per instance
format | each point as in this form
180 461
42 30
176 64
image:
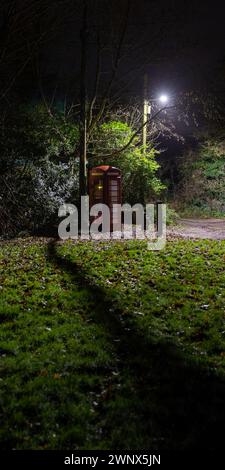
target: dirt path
213 229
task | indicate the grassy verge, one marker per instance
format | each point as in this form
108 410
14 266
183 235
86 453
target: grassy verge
108 345
199 212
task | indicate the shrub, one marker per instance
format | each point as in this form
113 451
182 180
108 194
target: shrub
37 166
202 188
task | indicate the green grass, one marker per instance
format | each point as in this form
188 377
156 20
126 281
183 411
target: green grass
111 346
201 212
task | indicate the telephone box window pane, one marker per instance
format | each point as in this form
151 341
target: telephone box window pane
98 190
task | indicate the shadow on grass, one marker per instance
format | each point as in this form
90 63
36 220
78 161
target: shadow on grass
157 398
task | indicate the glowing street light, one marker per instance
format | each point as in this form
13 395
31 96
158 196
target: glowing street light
163 99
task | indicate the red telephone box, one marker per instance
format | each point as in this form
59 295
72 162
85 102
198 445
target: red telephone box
105 188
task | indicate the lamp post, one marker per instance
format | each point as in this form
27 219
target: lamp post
163 99
83 99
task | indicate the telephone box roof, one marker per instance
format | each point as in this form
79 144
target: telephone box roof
105 168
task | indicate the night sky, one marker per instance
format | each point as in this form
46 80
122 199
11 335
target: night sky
180 44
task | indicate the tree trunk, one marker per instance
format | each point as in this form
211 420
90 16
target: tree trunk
83 99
